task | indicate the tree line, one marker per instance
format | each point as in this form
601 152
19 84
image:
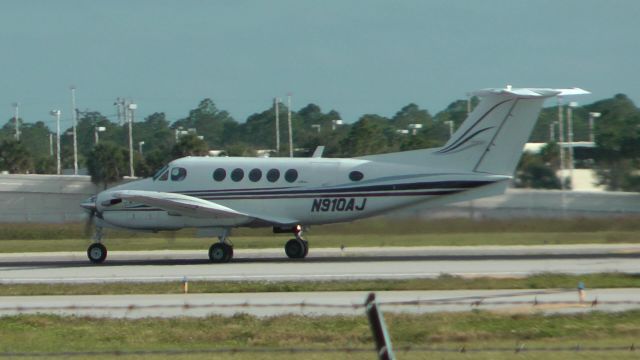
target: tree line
616 155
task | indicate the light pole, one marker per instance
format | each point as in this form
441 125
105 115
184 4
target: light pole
97 130
450 123
552 131
277 110
130 110
16 107
560 143
57 113
414 128
592 115
289 122
74 119
140 147
572 105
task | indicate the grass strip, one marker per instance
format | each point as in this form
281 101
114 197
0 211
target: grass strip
443 282
372 226
473 330
329 241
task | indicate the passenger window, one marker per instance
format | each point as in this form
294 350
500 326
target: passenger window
178 174
356 176
219 174
255 175
291 175
273 175
237 175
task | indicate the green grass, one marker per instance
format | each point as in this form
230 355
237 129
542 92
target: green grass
371 232
474 330
330 241
444 282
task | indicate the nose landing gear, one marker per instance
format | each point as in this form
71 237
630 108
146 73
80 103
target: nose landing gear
97 252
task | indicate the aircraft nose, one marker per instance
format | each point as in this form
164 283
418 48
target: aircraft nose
89 204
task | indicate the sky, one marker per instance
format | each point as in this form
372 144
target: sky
354 56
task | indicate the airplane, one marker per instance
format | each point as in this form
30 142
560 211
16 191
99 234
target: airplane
289 194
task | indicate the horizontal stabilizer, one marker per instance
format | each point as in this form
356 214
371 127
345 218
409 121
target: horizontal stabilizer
531 92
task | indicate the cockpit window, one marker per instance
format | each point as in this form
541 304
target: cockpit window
159 172
164 176
178 174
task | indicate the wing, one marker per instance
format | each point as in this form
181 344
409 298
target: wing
192 206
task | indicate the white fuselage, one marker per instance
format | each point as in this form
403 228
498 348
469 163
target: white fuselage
324 191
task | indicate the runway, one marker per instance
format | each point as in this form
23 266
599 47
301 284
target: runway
321 303
321 265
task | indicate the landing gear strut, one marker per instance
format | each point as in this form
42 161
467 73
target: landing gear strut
97 252
297 248
222 251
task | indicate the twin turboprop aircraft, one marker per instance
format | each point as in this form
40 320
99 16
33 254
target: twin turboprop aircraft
218 194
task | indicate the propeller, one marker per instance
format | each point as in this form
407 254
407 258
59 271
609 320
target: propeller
90 207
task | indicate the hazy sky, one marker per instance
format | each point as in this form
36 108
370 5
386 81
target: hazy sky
357 57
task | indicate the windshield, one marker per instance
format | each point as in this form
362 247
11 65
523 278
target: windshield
159 172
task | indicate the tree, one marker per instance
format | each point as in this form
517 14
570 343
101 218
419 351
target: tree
209 122
15 157
189 145
369 135
106 163
617 154
532 172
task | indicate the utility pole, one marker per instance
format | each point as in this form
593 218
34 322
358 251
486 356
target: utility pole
16 117
289 121
570 137
561 141
57 113
129 114
50 144
277 109
74 118
119 107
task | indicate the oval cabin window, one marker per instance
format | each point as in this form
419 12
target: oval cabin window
219 174
255 175
273 175
291 175
356 176
237 175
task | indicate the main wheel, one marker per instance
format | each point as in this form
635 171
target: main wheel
296 249
220 253
97 253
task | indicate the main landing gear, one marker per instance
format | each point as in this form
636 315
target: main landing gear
297 248
97 252
222 251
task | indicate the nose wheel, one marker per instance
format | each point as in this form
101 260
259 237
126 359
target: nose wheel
97 253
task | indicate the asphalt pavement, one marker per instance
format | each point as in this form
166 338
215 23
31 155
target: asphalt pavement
321 265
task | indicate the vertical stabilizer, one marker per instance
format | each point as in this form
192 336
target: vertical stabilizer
492 137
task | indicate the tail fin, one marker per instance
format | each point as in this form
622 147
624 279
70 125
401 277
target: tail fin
492 137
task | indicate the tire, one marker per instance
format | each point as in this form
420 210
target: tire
295 249
97 253
220 253
229 250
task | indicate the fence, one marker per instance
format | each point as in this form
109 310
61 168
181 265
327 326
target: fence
419 348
